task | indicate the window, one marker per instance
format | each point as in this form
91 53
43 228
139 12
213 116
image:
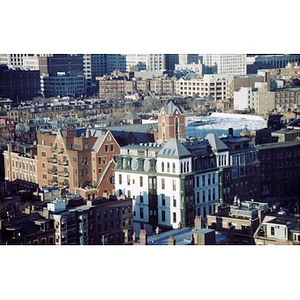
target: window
162 166
163 200
168 167
120 178
174 217
163 183
173 167
174 184
163 216
128 179
272 231
174 202
111 147
106 148
43 153
141 181
141 212
99 160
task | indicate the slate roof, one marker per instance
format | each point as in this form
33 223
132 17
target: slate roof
132 116
216 144
173 148
98 143
170 108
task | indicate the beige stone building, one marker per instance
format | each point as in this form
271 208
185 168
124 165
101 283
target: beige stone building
219 87
21 166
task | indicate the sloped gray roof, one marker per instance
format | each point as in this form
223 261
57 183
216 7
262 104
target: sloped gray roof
132 116
170 108
173 148
215 142
98 143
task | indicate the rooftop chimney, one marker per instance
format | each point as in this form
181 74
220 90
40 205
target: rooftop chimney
143 237
171 241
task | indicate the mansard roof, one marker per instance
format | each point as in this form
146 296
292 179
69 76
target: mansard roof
174 149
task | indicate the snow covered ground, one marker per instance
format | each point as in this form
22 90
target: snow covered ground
220 122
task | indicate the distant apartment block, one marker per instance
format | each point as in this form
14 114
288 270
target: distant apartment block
287 99
233 64
156 62
18 84
257 100
15 61
136 62
62 85
275 61
218 87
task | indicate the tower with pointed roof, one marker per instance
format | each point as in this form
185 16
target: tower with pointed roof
171 123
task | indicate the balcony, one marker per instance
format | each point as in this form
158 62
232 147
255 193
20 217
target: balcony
64 185
51 171
63 162
64 174
52 183
52 160
57 150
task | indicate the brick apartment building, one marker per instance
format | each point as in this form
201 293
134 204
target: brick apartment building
71 221
93 222
245 167
279 169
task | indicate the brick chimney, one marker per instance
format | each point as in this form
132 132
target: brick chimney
171 241
46 213
143 237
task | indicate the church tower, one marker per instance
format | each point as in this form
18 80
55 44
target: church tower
171 123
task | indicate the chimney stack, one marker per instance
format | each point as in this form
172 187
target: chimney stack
171 241
143 237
